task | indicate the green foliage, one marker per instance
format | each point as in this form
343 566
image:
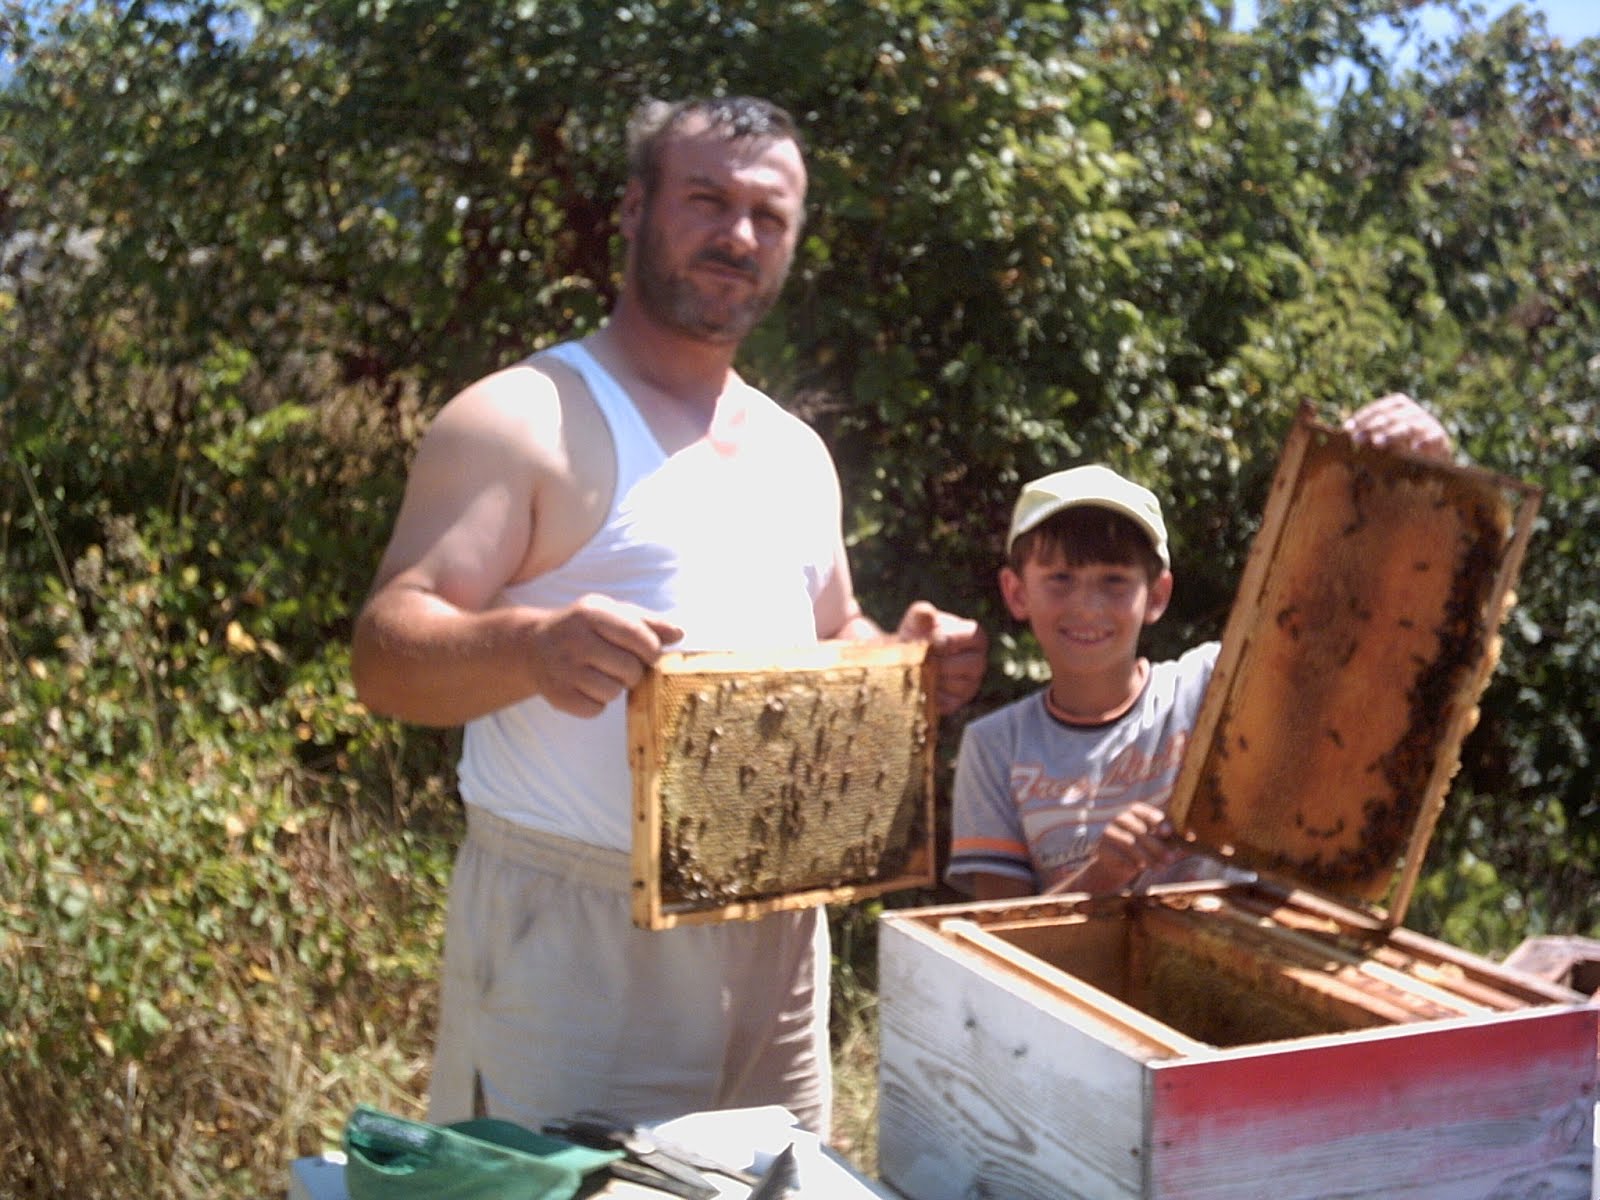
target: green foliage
246 248
213 854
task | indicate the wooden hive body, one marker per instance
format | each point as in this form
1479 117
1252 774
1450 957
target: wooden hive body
780 780
1279 1038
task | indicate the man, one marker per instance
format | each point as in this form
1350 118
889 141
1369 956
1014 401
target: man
565 519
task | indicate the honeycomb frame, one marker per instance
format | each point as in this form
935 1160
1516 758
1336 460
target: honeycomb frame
765 781
1363 633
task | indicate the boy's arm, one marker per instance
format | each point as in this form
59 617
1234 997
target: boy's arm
988 847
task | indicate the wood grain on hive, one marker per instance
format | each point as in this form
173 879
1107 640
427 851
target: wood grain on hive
776 780
1364 631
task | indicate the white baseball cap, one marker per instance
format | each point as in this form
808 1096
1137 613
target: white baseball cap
1096 486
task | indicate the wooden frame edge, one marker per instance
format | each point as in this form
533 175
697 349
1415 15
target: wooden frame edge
648 909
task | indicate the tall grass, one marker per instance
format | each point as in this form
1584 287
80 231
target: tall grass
220 880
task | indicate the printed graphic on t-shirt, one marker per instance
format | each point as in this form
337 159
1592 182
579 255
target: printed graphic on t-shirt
1063 818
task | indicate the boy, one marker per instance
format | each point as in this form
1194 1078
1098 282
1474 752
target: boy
1067 789
1064 790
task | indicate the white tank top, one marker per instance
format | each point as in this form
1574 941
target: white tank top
733 547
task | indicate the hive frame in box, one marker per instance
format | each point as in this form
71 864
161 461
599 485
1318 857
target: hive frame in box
774 780
1282 1037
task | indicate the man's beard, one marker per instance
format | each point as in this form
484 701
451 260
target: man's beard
674 299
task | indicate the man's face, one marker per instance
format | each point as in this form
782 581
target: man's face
712 242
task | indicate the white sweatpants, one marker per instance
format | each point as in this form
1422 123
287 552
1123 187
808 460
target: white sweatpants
553 1002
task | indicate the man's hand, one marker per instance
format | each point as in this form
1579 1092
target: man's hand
1138 840
589 653
958 645
1398 420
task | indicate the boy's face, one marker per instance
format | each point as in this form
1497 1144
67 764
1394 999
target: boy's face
1087 617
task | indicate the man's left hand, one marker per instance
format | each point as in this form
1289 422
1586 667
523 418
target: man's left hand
959 646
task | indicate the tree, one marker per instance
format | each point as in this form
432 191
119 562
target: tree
1481 165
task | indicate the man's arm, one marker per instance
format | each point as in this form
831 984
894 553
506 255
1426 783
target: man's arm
429 644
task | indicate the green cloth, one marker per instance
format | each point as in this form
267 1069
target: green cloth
393 1158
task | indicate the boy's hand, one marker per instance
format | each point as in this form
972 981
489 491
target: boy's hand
1398 420
1136 841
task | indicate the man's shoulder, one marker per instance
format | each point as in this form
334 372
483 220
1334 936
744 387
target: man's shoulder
531 377
778 419
523 399
516 425
792 447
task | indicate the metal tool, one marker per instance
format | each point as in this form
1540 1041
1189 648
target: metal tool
675 1150
647 1161
781 1179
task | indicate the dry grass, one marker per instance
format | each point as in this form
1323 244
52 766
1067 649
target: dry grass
855 1082
855 1034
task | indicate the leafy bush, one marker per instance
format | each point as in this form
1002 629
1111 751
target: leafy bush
222 879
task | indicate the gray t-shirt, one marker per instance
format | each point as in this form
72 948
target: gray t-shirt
1033 794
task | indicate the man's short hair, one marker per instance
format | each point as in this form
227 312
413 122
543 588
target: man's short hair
730 117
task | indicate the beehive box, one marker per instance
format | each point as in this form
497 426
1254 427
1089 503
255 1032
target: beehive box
1570 961
1279 1038
775 780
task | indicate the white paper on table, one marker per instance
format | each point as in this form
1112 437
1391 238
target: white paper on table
747 1139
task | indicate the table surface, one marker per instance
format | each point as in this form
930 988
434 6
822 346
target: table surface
745 1137
322 1178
